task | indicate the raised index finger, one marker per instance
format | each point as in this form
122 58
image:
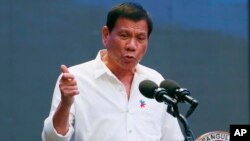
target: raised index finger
66 74
64 69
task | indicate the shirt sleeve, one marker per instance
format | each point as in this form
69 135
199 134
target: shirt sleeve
171 130
49 133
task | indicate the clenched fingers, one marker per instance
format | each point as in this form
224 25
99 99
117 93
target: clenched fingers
68 90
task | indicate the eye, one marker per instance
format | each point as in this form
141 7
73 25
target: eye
124 35
141 37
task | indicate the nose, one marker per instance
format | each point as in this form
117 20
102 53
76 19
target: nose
131 45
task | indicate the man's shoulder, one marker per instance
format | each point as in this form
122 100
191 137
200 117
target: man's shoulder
82 67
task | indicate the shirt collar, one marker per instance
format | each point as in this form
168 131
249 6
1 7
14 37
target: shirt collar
101 68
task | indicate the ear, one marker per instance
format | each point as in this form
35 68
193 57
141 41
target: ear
105 35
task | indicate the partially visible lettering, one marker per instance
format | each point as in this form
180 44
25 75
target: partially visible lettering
215 136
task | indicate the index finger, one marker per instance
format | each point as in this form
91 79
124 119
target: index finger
64 69
66 74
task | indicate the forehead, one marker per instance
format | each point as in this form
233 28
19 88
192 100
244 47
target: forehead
127 24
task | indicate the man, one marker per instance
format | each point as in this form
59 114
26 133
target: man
100 101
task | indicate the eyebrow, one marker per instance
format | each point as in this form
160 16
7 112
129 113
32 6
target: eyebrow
127 29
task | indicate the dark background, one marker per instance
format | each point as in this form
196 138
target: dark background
201 44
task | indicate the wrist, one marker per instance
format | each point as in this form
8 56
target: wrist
64 106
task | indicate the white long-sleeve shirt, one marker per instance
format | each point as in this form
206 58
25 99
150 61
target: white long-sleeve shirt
102 111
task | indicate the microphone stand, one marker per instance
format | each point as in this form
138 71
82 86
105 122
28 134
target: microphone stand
189 134
174 111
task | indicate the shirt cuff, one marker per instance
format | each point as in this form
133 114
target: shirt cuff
50 133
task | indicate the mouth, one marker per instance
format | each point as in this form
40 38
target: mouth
129 57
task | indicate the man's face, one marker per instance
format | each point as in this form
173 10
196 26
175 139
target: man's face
126 43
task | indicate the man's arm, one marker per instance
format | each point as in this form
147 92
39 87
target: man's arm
57 126
68 89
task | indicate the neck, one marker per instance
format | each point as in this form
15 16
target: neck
125 75
119 71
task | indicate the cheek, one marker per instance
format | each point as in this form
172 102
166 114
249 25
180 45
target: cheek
144 49
113 43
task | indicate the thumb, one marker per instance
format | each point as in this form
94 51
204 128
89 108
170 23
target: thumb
64 69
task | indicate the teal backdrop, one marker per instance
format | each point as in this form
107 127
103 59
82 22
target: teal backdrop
201 44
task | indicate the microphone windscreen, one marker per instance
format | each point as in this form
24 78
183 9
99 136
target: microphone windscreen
147 88
170 86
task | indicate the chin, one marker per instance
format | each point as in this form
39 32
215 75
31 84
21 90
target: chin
129 66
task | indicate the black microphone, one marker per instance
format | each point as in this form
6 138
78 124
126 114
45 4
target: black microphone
150 89
181 94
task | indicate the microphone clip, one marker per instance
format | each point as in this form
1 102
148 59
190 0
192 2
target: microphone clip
161 95
184 96
181 93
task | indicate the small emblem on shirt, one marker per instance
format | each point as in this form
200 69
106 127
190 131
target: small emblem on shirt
142 104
